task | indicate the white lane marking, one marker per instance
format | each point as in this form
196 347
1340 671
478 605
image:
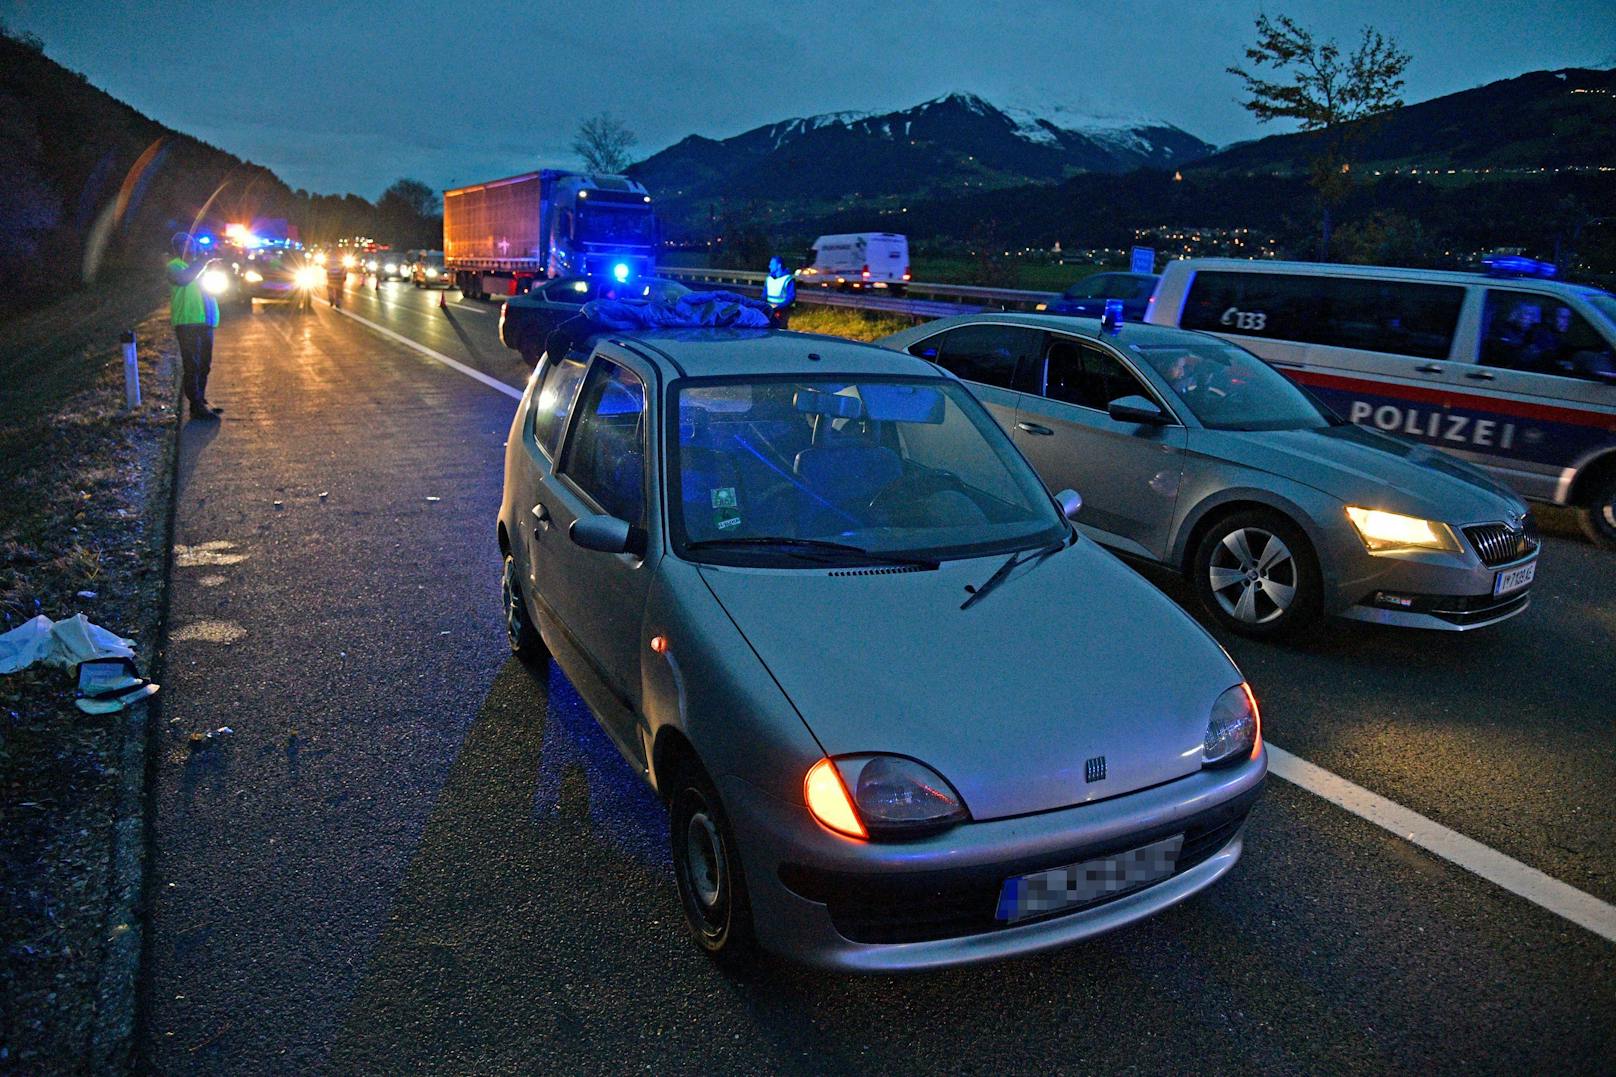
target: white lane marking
492 383
1543 890
471 309
1559 898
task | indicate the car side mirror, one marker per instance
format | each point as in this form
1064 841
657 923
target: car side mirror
1070 502
1136 409
605 534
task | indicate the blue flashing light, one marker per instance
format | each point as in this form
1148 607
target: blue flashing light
1111 320
206 241
620 272
1515 265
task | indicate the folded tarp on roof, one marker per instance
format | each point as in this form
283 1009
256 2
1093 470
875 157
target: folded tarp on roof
693 310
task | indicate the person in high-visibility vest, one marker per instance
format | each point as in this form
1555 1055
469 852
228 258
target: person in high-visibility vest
194 314
336 278
780 293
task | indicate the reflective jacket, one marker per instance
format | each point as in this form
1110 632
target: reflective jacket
780 291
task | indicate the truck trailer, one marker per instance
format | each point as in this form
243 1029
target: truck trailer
501 236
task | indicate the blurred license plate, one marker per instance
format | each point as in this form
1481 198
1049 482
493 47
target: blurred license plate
1079 884
1513 579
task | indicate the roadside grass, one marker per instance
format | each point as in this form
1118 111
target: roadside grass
84 509
846 322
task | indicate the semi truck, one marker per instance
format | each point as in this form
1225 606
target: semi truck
501 236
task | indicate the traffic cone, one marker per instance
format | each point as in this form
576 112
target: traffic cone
443 302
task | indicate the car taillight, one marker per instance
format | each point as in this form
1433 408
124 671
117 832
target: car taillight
905 272
866 272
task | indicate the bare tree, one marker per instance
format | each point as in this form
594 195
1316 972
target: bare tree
603 143
1328 92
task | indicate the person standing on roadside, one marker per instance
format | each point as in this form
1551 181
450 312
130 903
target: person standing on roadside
194 314
780 292
336 278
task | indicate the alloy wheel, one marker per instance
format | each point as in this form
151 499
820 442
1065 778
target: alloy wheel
1253 575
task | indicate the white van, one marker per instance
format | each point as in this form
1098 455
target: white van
1511 371
858 260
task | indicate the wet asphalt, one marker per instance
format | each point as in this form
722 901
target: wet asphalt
413 854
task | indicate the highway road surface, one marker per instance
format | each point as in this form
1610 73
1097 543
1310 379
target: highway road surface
410 854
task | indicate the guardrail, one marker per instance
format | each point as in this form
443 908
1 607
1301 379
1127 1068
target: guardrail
929 300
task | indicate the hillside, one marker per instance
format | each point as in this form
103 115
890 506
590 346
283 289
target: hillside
1543 119
952 143
71 154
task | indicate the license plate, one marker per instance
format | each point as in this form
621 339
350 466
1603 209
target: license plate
1079 884
1513 579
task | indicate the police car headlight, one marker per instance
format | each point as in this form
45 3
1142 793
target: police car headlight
308 277
215 282
252 276
1389 532
1233 728
431 273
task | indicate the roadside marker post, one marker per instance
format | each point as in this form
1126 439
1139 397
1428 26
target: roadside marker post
131 371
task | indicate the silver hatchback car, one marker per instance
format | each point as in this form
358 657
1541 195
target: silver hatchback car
1193 453
902 714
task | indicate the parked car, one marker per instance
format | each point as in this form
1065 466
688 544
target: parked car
526 321
902 714
1508 369
1087 297
278 274
1194 453
427 271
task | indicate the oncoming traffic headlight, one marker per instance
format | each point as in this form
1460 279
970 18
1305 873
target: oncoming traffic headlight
308 277
215 282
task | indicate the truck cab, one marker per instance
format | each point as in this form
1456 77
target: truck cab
600 226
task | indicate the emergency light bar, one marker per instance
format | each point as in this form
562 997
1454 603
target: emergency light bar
1515 265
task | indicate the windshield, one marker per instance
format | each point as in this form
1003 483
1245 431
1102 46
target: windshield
1228 388
883 467
1605 304
1112 286
603 222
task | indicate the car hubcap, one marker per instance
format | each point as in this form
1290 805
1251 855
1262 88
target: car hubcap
513 603
704 860
1253 575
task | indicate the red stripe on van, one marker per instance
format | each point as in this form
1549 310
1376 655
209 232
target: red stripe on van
1451 398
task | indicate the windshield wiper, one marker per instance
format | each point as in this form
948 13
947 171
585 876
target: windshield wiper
1003 571
811 544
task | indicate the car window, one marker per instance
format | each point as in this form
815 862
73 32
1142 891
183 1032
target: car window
1088 377
895 466
1542 335
984 353
1397 316
568 291
553 401
606 453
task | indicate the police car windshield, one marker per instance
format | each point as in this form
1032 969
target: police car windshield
793 473
1228 388
1112 286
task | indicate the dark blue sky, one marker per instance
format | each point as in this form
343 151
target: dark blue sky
340 97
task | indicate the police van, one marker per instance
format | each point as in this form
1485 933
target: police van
1507 369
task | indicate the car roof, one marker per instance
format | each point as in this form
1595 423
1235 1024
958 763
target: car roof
703 353
1434 276
1127 332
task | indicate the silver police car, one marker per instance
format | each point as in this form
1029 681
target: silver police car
902 713
1192 452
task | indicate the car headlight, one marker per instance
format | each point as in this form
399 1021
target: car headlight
431 273
1385 532
1234 728
1041 306
881 796
252 276
215 282
308 277
391 267
347 261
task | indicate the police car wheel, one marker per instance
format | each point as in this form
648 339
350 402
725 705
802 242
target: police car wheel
1598 514
1256 573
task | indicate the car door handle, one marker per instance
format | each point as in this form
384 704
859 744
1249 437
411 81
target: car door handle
1478 375
1429 368
541 518
1034 428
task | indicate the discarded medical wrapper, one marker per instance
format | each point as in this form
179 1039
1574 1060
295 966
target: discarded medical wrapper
102 661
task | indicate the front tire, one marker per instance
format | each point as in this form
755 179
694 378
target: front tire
1597 515
1256 573
707 867
526 644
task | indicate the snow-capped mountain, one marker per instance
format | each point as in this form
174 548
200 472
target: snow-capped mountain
947 144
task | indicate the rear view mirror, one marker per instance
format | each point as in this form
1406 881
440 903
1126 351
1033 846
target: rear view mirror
1135 409
605 534
1070 502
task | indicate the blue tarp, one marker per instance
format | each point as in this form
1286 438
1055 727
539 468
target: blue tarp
693 310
